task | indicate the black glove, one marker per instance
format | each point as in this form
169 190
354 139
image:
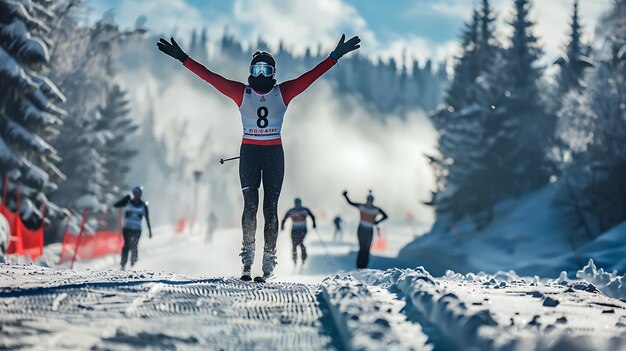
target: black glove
344 47
345 193
172 49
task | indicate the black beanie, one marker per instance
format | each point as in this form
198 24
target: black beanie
263 56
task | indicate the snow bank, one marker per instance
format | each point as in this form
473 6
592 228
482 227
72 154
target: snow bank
441 308
506 312
607 250
609 283
528 235
366 320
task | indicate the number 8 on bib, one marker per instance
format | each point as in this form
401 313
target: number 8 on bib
262 115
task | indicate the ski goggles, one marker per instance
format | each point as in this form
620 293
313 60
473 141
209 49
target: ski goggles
262 68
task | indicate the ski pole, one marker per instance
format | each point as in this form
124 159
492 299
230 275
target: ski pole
228 159
329 257
322 241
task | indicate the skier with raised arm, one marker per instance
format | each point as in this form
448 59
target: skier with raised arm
365 232
262 104
134 210
298 215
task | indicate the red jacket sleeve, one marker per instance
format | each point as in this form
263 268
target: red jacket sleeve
292 88
230 88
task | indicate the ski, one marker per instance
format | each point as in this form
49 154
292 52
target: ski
264 278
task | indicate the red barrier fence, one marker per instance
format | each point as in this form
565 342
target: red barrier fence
23 241
15 239
86 246
91 246
26 242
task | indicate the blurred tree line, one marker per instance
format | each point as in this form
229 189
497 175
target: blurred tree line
507 128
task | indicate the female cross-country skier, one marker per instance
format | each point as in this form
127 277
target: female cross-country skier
298 215
368 213
134 211
262 104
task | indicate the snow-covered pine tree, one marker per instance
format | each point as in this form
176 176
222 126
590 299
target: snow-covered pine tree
525 131
460 125
575 61
80 67
83 64
29 111
596 120
573 131
117 153
467 69
488 47
198 48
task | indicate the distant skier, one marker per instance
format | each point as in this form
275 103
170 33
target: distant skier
211 226
262 105
298 215
134 211
368 213
338 234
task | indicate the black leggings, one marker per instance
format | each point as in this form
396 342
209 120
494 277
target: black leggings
297 239
131 241
365 234
260 164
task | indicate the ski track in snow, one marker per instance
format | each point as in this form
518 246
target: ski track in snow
397 309
505 312
368 318
221 314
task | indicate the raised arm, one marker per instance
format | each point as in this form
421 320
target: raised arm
282 223
345 195
122 202
145 208
384 216
292 88
230 88
312 217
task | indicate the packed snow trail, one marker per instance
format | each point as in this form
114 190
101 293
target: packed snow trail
400 309
43 308
117 310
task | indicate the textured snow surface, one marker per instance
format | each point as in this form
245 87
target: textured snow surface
369 319
609 283
51 309
505 312
397 309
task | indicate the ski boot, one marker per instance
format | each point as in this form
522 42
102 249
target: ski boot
266 277
246 274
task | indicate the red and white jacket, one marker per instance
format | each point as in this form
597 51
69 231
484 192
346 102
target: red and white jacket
261 114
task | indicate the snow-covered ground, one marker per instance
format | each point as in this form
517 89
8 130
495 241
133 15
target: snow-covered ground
528 235
507 312
183 295
195 254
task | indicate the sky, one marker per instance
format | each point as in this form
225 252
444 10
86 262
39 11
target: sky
389 28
